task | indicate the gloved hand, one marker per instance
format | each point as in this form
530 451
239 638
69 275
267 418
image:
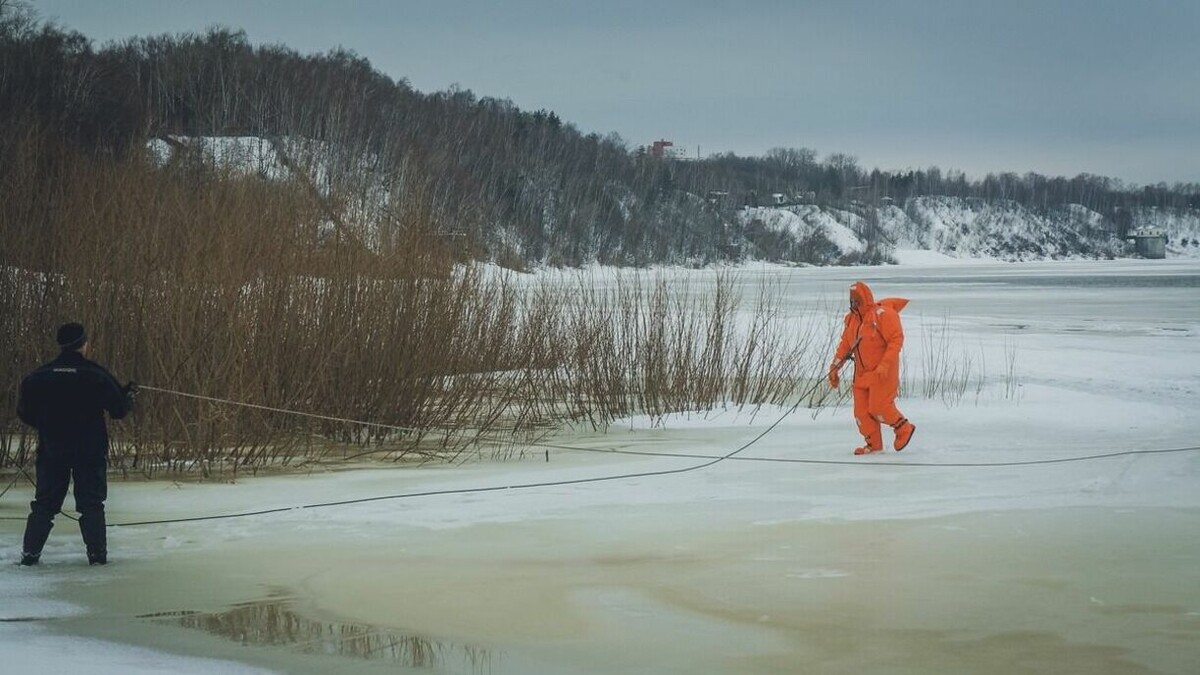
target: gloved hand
881 373
130 390
834 378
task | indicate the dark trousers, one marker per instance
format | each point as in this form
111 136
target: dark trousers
54 473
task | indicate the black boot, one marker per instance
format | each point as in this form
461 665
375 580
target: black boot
30 559
97 557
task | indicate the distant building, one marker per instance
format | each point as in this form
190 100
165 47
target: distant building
1149 242
780 198
664 149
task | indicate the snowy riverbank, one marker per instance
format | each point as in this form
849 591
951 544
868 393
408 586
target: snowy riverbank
997 541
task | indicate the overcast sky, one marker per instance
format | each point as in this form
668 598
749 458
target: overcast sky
1056 86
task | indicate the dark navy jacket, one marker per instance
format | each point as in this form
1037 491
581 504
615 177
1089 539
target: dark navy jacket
65 400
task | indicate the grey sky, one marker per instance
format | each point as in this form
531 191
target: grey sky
1055 86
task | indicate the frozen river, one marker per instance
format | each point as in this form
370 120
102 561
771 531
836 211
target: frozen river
1044 523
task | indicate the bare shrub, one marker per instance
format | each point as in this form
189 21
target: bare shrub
666 348
948 370
194 280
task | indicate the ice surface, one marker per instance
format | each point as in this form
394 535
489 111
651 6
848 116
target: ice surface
1102 357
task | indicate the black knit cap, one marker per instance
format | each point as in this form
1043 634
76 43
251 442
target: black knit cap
71 336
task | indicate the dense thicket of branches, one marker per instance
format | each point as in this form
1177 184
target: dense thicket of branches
265 291
212 284
511 185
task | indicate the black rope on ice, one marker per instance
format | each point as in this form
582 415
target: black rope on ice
16 477
793 460
495 488
644 474
710 460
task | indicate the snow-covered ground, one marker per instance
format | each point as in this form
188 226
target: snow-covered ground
985 547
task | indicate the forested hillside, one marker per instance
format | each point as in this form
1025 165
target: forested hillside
386 165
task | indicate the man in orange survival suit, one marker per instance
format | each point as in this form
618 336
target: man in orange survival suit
873 337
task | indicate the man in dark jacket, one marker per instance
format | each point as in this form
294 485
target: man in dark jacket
65 400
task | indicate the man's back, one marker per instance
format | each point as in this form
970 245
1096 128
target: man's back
65 400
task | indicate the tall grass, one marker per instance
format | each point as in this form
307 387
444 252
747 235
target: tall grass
199 281
949 371
655 348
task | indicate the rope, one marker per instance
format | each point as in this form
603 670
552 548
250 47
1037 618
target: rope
642 474
494 488
710 460
793 460
16 476
22 472
645 474
279 410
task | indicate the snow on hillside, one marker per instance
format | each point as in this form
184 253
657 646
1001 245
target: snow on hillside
1007 230
958 227
362 198
806 222
245 155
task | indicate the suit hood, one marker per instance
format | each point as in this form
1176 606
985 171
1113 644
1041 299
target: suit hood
866 298
862 293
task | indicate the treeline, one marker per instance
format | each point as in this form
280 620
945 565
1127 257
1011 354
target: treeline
497 182
507 184
214 287
839 178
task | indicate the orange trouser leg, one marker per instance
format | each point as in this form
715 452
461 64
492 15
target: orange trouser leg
881 403
868 426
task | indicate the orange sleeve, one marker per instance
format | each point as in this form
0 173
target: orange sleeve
847 340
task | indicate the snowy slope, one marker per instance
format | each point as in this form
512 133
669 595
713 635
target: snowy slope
353 192
1008 231
806 223
958 227
244 155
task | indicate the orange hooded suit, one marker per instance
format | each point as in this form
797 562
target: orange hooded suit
873 337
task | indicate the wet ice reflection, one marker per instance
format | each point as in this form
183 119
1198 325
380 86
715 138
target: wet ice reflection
273 622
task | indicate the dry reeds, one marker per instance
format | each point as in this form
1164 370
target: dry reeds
949 370
196 280
656 347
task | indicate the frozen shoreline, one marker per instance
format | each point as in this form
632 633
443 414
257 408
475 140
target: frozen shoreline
1101 369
